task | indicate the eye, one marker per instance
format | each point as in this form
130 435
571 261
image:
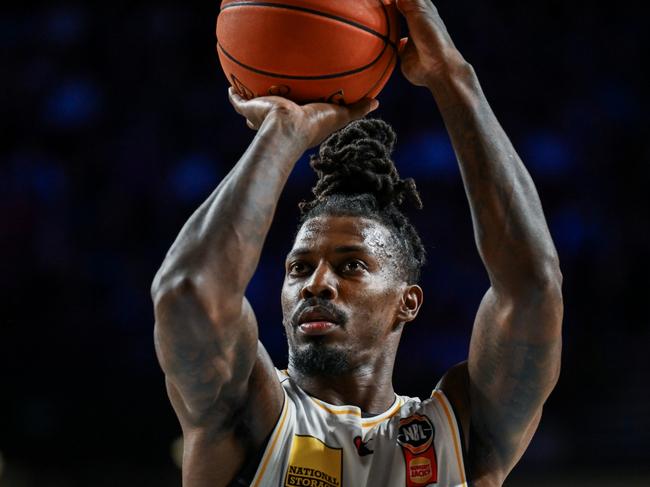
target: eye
353 266
298 268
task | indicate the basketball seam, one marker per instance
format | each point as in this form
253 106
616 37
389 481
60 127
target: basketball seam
304 78
395 52
390 62
319 13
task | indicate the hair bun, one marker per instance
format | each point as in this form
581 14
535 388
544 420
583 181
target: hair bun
368 129
357 160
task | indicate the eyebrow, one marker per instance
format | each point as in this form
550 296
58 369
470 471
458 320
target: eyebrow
342 249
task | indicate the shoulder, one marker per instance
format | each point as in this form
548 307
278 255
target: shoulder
429 431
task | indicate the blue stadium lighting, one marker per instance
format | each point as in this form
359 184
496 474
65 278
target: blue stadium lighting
65 25
570 230
73 104
547 154
194 177
427 155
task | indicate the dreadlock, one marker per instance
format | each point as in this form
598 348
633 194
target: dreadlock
357 177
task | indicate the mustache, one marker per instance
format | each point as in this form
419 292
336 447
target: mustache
339 316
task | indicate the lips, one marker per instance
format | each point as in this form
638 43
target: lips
315 328
317 321
316 314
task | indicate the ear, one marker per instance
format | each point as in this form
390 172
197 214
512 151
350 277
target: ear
410 303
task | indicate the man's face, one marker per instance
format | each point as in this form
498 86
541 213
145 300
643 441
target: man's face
341 293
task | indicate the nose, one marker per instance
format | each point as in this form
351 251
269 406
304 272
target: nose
321 283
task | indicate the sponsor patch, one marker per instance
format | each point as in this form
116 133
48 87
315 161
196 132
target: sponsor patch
313 464
415 435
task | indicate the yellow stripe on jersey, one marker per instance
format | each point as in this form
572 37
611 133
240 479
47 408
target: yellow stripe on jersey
274 440
389 414
320 404
454 433
365 423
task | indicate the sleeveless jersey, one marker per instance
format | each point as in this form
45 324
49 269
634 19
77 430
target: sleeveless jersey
315 444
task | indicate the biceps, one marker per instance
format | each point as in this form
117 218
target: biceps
204 358
514 363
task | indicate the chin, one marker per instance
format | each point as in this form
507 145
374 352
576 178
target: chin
319 358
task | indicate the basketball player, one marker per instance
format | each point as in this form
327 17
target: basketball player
333 419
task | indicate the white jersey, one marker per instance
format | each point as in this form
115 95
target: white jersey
315 444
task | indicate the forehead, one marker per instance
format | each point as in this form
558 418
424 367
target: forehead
325 233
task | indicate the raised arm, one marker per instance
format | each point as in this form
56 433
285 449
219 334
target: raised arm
514 357
206 336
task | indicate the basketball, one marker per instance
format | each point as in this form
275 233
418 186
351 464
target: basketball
336 51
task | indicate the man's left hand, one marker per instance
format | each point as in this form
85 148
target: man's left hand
428 54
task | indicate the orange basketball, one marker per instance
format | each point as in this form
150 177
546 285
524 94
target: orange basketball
336 51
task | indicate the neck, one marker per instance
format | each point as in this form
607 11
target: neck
367 386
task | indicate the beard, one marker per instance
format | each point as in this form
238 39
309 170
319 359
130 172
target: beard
320 359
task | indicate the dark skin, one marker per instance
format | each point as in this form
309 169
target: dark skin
219 377
349 263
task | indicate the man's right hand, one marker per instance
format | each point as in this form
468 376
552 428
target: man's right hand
311 123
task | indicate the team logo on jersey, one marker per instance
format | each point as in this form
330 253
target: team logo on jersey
362 447
313 464
415 435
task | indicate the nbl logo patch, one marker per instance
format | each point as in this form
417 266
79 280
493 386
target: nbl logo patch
415 436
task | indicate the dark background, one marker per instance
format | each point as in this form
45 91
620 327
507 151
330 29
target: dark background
115 126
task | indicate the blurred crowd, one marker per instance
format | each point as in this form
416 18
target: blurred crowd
115 126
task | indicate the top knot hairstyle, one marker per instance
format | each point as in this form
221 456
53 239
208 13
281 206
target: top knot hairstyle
357 177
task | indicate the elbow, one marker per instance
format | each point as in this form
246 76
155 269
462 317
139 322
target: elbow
543 297
548 277
193 277
542 276
168 286
538 290
532 279
544 291
172 299
172 277
552 278
176 281
182 294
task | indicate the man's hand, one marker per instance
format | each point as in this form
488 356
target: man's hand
428 53
311 123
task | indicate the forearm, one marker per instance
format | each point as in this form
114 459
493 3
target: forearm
509 224
222 242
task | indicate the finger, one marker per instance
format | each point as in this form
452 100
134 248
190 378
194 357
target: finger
363 108
234 96
402 44
409 5
235 100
